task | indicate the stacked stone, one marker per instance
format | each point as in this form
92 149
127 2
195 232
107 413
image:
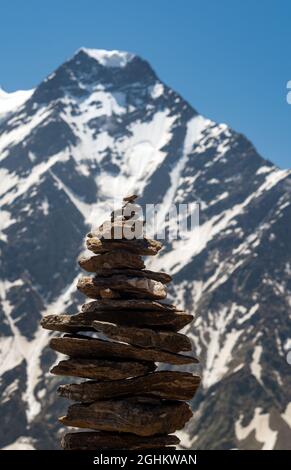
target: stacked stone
126 403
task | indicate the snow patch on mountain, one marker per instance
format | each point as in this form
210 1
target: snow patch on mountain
260 424
22 443
256 367
218 353
10 102
287 414
109 58
197 239
22 131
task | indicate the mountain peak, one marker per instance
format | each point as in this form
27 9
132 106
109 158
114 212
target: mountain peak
107 58
88 68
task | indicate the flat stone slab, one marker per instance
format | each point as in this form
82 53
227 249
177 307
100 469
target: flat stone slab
145 337
102 369
87 347
115 441
170 385
68 323
156 276
141 418
123 285
84 321
129 304
120 228
114 260
142 246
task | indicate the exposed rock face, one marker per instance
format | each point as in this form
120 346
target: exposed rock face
125 395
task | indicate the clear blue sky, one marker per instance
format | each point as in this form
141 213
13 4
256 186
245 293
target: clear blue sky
231 59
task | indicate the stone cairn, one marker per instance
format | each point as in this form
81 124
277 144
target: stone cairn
127 403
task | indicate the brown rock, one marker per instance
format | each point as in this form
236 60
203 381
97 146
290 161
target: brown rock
143 419
129 211
140 247
102 369
87 347
157 276
144 337
83 321
130 198
170 385
112 260
115 441
120 229
135 286
129 304
68 323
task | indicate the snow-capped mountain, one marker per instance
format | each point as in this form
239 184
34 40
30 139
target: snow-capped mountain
103 125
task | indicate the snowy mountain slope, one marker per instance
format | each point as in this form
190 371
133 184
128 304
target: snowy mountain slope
9 102
102 125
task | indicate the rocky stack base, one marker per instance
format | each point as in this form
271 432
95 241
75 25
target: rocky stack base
126 403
